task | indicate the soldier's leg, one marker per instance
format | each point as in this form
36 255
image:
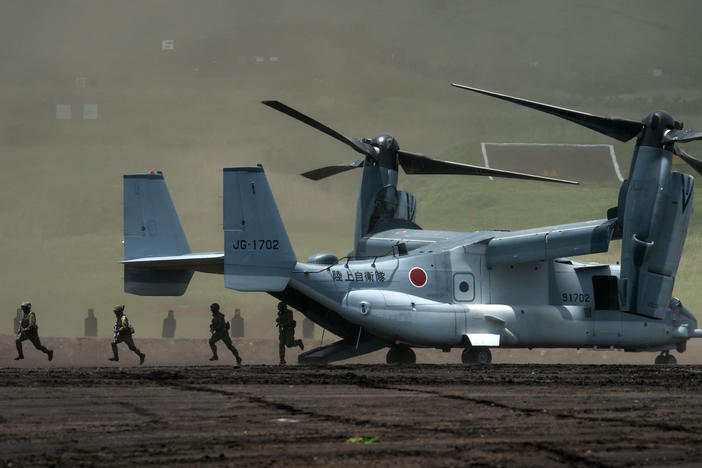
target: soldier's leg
115 352
300 344
228 342
213 339
130 344
289 338
18 344
281 348
34 338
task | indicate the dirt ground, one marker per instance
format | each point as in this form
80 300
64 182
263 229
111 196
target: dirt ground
82 410
420 415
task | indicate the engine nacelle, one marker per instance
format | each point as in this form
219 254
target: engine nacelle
655 216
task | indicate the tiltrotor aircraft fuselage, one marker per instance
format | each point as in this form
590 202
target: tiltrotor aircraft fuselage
403 287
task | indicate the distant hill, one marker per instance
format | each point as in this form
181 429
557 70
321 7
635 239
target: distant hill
363 68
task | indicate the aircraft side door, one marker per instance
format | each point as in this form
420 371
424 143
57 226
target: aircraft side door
466 289
606 317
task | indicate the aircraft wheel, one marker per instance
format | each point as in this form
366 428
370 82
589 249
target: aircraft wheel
476 355
665 359
400 355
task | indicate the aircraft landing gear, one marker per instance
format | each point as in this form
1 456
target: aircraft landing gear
400 355
476 355
666 358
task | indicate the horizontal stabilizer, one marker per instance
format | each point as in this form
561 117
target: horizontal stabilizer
149 282
208 262
257 252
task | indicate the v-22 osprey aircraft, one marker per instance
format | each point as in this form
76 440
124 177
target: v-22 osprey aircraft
403 287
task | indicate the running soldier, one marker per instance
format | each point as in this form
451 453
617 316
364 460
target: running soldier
123 334
286 331
219 328
28 330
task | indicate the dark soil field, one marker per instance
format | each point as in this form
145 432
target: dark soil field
345 414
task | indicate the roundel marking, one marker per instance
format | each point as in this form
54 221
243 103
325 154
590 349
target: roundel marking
418 277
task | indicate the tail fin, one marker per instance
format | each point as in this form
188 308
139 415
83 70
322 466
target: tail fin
257 252
152 229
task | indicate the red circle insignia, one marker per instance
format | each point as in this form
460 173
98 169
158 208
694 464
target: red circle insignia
418 277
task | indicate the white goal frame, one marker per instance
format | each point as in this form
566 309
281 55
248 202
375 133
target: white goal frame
615 164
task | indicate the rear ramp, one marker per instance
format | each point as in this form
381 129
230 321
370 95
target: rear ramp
341 350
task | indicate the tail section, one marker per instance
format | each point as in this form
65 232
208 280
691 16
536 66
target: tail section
257 252
152 229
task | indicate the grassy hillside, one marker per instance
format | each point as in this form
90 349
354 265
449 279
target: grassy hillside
362 68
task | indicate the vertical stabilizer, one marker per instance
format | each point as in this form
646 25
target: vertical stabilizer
257 252
152 229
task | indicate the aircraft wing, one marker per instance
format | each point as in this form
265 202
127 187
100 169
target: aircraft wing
207 262
565 240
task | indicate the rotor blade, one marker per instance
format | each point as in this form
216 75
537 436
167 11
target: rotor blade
681 136
615 127
691 161
322 172
354 143
414 163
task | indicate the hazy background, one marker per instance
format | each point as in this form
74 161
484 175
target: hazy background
362 67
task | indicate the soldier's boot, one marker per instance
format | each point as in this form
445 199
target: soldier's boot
50 354
142 356
299 343
238 360
115 354
20 354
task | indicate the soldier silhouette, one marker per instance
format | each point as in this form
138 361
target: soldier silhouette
307 328
28 330
286 331
237 330
91 323
169 326
123 332
219 329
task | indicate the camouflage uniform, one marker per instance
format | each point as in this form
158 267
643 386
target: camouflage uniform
28 330
286 331
123 334
219 328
